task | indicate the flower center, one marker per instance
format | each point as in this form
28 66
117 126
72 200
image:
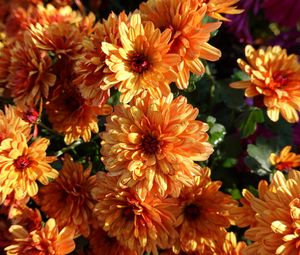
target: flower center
150 144
192 212
22 163
139 63
284 166
279 80
128 214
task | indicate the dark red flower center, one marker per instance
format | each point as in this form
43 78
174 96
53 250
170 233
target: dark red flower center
279 80
22 163
192 212
284 166
150 144
128 214
139 63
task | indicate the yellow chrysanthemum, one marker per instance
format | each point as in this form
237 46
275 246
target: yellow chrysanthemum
189 35
48 240
21 165
11 124
152 144
68 198
275 77
286 160
217 8
142 226
204 213
142 61
277 217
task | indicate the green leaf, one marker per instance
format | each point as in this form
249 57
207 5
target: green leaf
233 98
216 131
249 119
229 162
258 156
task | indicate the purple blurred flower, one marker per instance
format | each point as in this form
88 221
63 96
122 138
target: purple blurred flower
239 25
296 135
289 40
284 12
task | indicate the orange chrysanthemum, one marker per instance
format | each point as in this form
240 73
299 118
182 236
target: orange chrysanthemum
68 199
226 245
48 240
21 165
60 38
71 115
274 77
152 144
100 241
142 61
215 8
244 215
29 76
286 160
139 225
204 212
277 218
189 35
93 75
11 124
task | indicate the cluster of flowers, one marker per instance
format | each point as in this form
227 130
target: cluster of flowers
153 197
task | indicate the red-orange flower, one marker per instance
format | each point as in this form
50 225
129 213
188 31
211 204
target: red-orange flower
68 198
152 144
204 212
71 115
142 61
277 217
48 240
286 160
189 35
92 73
274 77
100 241
30 76
22 165
139 225
217 8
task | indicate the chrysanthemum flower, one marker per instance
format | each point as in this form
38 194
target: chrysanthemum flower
142 226
93 75
217 8
100 241
286 160
22 165
11 124
142 60
61 38
204 212
68 198
49 14
48 240
275 77
71 115
223 246
277 218
152 144
189 35
30 76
